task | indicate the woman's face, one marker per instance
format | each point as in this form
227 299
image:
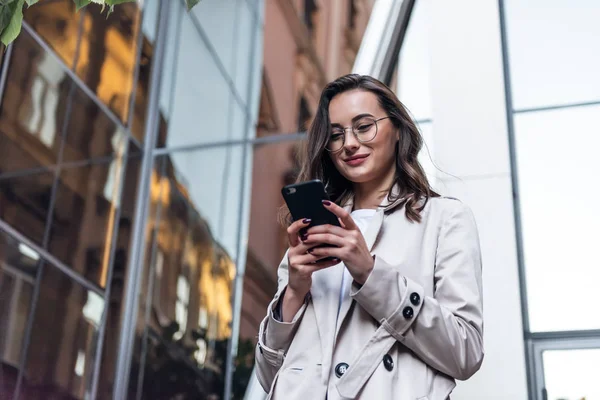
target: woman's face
372 160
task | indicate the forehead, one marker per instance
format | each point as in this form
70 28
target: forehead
345 106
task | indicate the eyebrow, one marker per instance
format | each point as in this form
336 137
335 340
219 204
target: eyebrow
356 118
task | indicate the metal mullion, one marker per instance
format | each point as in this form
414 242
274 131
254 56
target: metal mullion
77 80
108 285
150 291
556 107
131 298
56 263
565 335
273 139
529 361
4 72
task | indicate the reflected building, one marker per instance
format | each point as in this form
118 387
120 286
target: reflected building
76 136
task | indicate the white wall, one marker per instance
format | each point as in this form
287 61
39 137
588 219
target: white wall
471 141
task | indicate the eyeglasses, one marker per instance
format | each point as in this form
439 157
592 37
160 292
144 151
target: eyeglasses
363 129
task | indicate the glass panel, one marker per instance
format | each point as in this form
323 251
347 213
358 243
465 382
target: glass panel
31 120
117 283
58 23
85 212
560 215
247 38
33 106
200 109
90 133
413 64
550 51
108 53
193 245
142 87
219 20
572 374
18 269
60 357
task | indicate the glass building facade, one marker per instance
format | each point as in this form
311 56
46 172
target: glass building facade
126 153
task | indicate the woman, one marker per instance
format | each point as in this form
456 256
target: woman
398 313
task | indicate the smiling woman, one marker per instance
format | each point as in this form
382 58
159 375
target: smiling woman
395 291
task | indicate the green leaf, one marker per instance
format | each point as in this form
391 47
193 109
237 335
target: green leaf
13 28
31 2
79 4
114 2
191 3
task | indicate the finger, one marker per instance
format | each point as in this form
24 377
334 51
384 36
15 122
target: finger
335 230
342 214
293 230
304 259
310 268
323 252
328 238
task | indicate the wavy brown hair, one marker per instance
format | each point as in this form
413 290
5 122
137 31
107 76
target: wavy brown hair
410 178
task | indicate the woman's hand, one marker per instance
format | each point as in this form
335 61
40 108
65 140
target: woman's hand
350 244
301 266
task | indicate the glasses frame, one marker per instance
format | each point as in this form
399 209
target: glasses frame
375 120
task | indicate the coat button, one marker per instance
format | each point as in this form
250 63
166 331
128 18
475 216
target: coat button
388 362
415 299
341 369
408 312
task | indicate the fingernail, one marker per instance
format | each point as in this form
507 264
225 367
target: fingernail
337 260
310 251
326 202
303 237
306 221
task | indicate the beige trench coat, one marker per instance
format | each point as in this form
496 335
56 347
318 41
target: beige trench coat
412 329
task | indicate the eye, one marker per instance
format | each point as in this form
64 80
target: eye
336 136
363 127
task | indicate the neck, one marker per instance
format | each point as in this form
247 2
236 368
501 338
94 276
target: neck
371 194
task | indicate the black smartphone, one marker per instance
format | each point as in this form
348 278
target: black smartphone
305 200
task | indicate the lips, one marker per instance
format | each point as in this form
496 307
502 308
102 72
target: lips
356 160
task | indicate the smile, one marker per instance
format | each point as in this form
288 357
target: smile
356 160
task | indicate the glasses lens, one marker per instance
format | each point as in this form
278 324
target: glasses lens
336 140
365 129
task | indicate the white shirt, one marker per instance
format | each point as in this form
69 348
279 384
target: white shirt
361 219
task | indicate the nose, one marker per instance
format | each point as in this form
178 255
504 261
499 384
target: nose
350 142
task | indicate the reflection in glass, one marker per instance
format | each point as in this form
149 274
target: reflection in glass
188 278
196 110
18 269
572 374
89 132
60 356
108 53
553 52
58 23
33 105
85 212
32 114
558 166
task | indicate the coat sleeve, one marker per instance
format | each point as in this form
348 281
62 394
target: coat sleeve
445 330
275 337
